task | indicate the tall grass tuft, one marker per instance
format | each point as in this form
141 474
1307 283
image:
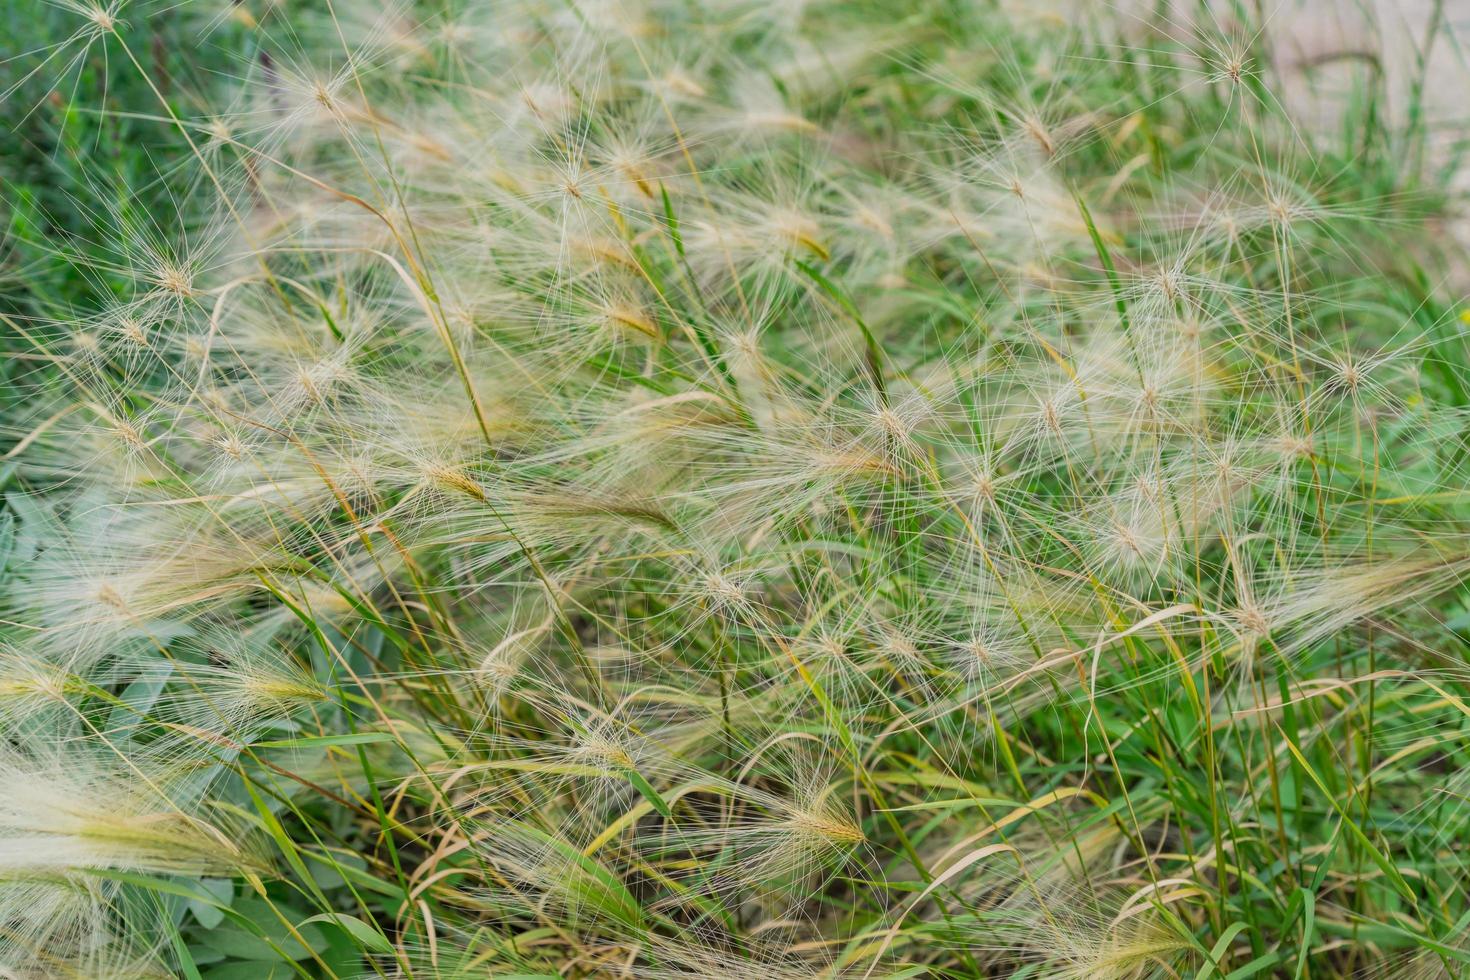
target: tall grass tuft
753 489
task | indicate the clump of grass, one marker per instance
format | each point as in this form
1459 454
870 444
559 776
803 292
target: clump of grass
646 489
